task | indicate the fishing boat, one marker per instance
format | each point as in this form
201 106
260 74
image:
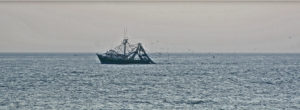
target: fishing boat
126 53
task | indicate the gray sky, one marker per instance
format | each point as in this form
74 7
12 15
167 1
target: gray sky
160 26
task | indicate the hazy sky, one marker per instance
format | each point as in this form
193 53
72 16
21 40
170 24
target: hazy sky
159 26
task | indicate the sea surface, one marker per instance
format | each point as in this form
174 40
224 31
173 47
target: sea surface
178 81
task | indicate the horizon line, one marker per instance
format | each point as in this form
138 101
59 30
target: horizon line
156 52
146 1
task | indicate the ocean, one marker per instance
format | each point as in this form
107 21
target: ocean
178 81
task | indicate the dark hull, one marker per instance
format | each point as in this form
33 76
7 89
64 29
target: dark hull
108 60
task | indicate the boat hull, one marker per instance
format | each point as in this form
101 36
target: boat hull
108 60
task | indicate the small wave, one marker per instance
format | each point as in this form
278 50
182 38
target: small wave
233 73
246 71
145 102
268 82
231 63
97 75
77 72
190 102
195 102
263 82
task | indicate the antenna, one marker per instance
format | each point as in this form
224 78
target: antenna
125 33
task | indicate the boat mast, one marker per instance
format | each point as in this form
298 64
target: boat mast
125 41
